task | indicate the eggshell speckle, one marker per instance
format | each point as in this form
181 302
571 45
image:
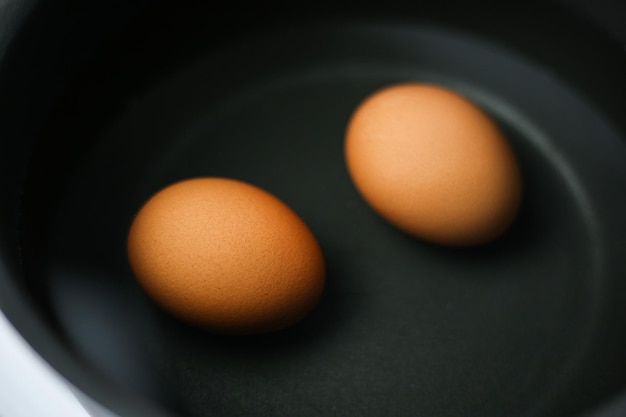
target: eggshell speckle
433 164
226 256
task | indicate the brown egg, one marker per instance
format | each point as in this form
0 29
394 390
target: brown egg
433 164
226 256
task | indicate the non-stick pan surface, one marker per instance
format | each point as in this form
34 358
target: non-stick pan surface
530 325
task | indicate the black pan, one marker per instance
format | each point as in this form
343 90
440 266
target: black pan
103 103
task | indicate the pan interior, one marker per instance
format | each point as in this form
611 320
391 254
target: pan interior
520 327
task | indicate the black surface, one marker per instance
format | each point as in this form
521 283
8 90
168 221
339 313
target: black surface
531 325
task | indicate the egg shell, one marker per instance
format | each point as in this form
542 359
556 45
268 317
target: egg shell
433 164
226 256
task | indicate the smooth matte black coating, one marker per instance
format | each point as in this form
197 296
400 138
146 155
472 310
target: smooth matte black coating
529 325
